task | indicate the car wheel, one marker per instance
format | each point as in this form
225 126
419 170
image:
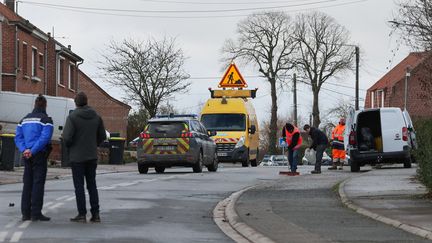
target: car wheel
159 169
254 161
407 163
197 168
355 166
142 169
214 166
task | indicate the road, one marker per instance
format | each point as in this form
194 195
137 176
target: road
172 207
177 207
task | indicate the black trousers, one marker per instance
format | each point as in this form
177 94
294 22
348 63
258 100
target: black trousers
35 171
85 171
319 154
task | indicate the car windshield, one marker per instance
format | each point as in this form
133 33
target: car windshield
266 159
224 122
280 158
166 129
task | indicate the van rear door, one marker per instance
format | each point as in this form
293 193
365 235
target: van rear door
411 130
392 124
349 126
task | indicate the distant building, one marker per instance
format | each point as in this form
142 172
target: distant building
389 91
34 62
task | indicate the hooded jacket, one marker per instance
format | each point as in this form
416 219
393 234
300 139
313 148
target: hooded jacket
318 138
34 132
83 132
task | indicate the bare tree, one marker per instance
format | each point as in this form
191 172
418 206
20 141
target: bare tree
322 53
265 40
414 22
149 72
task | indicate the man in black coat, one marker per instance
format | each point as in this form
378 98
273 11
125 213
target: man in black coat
319 144
83 132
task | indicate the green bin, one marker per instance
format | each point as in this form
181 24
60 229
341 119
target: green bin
8 148
116 150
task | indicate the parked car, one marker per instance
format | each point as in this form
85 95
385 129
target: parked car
267 161
280 160
326 160
176 140
384 135
134 142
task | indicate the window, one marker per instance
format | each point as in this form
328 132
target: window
41 61
224 122
18 54
60 71
71 75
34 62
25 67
372 99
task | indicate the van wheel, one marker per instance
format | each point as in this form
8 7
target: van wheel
254 161
197 168
159 169
355 166
142 169
407 163
247 162
214 166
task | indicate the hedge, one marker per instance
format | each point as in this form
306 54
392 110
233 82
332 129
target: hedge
423 155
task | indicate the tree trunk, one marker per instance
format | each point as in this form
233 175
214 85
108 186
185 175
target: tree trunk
273 119
315 109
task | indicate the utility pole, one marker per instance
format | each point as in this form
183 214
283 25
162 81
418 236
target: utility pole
407 76
295 98
357 53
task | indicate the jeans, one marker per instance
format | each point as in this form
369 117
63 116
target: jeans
35 170
293 159
80 171
319 154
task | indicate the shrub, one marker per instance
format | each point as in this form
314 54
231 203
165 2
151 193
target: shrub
423 154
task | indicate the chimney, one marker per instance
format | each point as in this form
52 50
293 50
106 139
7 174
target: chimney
69 47
10 4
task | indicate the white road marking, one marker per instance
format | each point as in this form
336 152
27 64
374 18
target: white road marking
3 235
25 224
70 199
16 236
11 224
56 206
48 204
62 198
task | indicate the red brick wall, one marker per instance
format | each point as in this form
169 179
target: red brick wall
113 112
8 57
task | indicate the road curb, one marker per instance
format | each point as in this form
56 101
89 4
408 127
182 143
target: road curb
408 228
226 218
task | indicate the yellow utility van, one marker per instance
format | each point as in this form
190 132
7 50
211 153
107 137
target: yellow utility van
231 114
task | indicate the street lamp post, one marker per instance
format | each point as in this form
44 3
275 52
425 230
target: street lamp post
357 53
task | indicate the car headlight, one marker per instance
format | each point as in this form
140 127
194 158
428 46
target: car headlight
240 142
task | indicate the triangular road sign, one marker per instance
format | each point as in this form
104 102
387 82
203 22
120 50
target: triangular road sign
232 78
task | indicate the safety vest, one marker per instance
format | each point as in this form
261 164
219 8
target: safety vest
338 137
289 137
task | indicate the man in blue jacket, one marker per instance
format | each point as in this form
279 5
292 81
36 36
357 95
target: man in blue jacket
33 137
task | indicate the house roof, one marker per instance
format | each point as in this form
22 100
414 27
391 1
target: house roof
9 14
103 91
399 71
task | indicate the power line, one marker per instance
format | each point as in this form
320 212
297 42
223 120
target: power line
220 3
102 11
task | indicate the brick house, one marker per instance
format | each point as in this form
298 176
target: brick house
389 91
34 62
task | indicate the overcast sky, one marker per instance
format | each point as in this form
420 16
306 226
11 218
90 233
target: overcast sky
201 34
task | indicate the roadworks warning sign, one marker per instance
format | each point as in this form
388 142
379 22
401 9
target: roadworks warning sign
232 78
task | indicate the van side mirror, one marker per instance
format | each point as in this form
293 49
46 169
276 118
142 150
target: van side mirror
212 133
252 129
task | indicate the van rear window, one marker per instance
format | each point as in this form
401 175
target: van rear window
166 129
224 122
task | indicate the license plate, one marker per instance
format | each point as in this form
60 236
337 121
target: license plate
166 148
222 154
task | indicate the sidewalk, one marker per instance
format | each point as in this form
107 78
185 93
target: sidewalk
392 196
307 208
8 177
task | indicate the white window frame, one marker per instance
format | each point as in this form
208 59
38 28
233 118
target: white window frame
382 97
34 56
60 58
70 75
372 99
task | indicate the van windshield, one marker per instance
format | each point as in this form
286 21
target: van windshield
224 122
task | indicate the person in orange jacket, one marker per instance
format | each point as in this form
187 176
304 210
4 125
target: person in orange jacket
338 147
292 136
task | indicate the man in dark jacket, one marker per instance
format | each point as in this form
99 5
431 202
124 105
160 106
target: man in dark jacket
33 139
319 144
83 132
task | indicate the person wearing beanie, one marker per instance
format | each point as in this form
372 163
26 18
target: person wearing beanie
294 140
319 144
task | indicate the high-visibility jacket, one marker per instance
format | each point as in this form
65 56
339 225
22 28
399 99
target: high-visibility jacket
338 137
289 137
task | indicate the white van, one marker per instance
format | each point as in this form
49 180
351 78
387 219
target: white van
14 106
383 135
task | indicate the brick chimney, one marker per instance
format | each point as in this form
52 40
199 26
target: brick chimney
10 4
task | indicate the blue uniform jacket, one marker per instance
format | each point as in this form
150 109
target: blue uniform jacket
34 132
